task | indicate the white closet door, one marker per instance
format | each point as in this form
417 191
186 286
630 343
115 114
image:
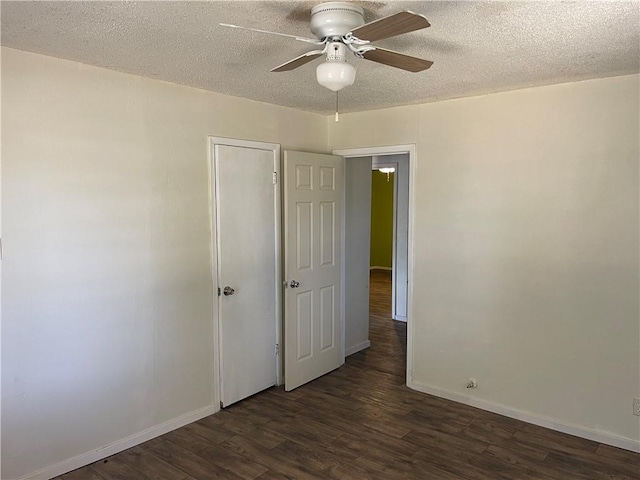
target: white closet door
247 262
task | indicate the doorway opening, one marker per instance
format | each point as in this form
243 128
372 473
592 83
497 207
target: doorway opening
362 282
383 324
390 225
381 239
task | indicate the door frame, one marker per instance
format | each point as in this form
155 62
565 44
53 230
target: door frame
411 150
213 221
400 224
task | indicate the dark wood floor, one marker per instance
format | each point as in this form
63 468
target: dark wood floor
361 422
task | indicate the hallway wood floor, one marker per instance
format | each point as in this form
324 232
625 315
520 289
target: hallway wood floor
361 422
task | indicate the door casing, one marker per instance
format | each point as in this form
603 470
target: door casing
411 150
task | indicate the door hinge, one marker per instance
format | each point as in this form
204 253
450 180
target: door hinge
275 177
277 349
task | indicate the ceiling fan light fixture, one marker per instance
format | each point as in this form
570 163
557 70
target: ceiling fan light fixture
335 74
340 29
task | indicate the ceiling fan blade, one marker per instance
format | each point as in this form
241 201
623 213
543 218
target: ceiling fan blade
298 61
398 60
295 37
396 24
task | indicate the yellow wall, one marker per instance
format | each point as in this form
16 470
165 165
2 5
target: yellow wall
381 253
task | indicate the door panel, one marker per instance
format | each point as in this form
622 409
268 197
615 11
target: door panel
327 318
327 233
313 258
247 262
304 227
304 313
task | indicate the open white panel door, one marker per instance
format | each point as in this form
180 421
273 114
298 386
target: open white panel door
313 246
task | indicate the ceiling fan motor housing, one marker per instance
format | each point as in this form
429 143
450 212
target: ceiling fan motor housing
335 19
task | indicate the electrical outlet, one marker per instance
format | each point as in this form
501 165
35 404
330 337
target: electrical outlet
636 406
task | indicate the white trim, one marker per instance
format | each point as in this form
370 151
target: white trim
357 348
118 446
343 265
213 202
399 318
412 151
277 162
540 420
278 242
235 142
213 264
373 151
376 267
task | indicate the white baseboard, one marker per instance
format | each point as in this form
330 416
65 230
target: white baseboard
595 435
399 318
381 268
120 445
356 348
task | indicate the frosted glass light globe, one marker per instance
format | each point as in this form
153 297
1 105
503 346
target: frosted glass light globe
335 74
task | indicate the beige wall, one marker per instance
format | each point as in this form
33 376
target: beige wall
526 248
106 292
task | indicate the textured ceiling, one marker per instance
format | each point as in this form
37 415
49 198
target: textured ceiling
477 47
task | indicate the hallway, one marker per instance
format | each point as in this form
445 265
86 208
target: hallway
362 422
388 351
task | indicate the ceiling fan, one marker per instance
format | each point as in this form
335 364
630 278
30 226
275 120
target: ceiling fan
339 28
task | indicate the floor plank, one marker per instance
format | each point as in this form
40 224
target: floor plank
362 422
153 467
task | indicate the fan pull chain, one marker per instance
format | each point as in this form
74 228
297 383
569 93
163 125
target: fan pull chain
337 116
